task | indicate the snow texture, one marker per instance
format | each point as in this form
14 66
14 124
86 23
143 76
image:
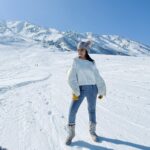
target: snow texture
35 100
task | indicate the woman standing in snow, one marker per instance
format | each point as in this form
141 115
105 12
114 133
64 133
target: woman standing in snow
85 81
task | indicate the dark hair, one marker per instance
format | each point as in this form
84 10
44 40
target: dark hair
88 57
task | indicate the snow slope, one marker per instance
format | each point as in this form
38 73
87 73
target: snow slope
35 99
25 33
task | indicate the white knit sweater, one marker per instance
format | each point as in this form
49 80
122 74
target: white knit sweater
85 72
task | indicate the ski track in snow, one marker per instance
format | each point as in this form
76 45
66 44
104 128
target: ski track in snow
35 99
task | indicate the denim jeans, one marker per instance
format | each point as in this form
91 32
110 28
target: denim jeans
90 92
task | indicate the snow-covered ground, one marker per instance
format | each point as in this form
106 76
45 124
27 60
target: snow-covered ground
35 99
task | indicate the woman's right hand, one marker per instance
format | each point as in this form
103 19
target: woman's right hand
75 97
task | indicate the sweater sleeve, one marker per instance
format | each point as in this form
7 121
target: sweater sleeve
72 79
99 81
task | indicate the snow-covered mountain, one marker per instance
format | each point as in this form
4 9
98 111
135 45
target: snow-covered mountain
27 34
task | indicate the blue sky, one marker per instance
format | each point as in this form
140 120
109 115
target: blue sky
128 18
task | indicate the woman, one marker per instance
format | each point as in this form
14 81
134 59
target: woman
85 81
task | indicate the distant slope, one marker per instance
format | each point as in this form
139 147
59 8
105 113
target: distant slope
25 33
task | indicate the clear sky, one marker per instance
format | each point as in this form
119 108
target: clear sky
128 18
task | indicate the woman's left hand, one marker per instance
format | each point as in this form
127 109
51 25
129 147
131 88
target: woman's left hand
100 96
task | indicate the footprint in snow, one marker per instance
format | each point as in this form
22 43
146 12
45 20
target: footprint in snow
49 112
47 103
62 116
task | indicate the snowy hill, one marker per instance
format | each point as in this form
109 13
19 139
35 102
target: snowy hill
28 34
35 99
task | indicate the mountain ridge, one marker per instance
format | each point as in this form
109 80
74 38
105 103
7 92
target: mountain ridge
24 32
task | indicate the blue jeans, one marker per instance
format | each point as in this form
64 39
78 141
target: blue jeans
90 92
